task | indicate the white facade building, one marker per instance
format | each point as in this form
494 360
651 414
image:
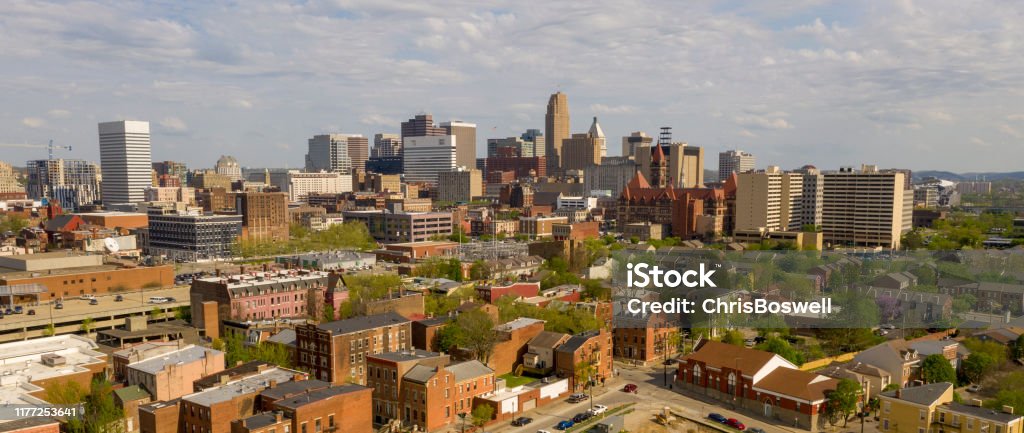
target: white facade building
734 161
126 162
300 185
329 152
569 202
425 157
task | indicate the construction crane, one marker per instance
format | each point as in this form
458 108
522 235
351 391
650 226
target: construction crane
49 147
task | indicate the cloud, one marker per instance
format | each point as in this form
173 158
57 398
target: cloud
774 121
612 109
33 122
57 113
1015 117
378 120
173 124
746 133
940 116
980 142
1011 131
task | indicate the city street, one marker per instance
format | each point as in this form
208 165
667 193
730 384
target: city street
651 399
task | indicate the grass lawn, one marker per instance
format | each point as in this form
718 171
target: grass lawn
512 381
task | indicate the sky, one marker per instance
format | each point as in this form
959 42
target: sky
932 84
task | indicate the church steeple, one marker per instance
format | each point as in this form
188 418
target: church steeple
659 167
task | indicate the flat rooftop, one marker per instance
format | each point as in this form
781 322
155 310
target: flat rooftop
260 278
21 363
247 385
49 261
156 364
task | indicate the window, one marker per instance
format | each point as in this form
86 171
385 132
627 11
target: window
970 423
887 406
302 429
318 426
921 414
732 385
885 424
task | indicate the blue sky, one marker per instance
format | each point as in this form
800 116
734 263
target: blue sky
922 85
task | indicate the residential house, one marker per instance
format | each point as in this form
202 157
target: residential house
336 351
912 410
591 348
334 409
540 352
169 376
436 395
896 358
385 373
963 418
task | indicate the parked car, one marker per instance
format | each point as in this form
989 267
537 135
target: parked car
974 388
578 397
87 297
8 311
118 298
599 409
59 306
171 299
580 417
18 309
564 425
94 302
521 421
543 431
734 423
717 418
630 388
31 312
755 430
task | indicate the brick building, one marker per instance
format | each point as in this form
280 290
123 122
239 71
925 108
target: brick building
492 293
513 339
536 227
66 276
385 375
212 410
437 394
264 215
336 408
593 347
410 252
110 220
336 351
260 295
424 332
170 375
643 338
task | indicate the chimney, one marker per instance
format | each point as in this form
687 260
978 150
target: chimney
217 271
273 383
1008 409
899 392
277 416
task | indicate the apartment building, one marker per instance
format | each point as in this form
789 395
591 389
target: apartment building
770 199
913 410
395 227
592 347
459 185
169 376
734 161
536 227
865 208
259 295
386 374
436 395
312 409
336 351
301 185
211 410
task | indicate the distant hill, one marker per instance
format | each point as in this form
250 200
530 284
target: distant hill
958 177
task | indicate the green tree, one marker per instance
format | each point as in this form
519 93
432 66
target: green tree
156 313
1017 348
733 337
100 412
936 368
584 374
842 401
477 334
184 313
482 414
480 270
782 348
977 366
328 313
87 325
997 351
50 330
68 393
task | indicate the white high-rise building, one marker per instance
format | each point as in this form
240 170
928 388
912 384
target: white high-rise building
329 152
425 157
126 161
734 161
769 199
866 208
813 196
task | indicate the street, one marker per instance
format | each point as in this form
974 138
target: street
651 399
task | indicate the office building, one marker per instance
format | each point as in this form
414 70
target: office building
556 130
684 164
632 141
228 167
519 167
510 147
421 125
769 199
734 161
974 187
386 145
125 160
184 195
193 237
465 139
865 208
584 150
301 185
426 156
70 182
534 138
329 152
209 179
658 202
358 152
264 215
812 198
384 165
395 227
612 175
171 168
459 185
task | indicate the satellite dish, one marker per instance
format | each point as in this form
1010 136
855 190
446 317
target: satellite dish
111 245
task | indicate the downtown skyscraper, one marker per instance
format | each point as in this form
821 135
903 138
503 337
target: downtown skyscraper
556 129
125 160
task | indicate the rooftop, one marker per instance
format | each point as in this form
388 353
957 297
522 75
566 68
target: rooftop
981 412
405 355
237 372
924 394
468 370
317 395
248 282
521 322
357 324
21 363
244 386
283 390
182 356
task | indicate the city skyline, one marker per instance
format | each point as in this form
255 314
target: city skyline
897 85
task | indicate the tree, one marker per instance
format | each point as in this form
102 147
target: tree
87 325
997 351
482 414
584 374
842 401
50 330
1017 348
733 337
936 368
480 270
156 313
328 313
782 348
184 313
66 393
100 413
977 366
477 334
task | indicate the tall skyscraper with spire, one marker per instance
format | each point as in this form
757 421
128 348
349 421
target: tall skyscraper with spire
556 129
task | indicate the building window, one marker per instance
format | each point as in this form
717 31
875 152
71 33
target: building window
921 414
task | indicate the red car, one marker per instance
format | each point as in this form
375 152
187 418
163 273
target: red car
629 388
734 423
